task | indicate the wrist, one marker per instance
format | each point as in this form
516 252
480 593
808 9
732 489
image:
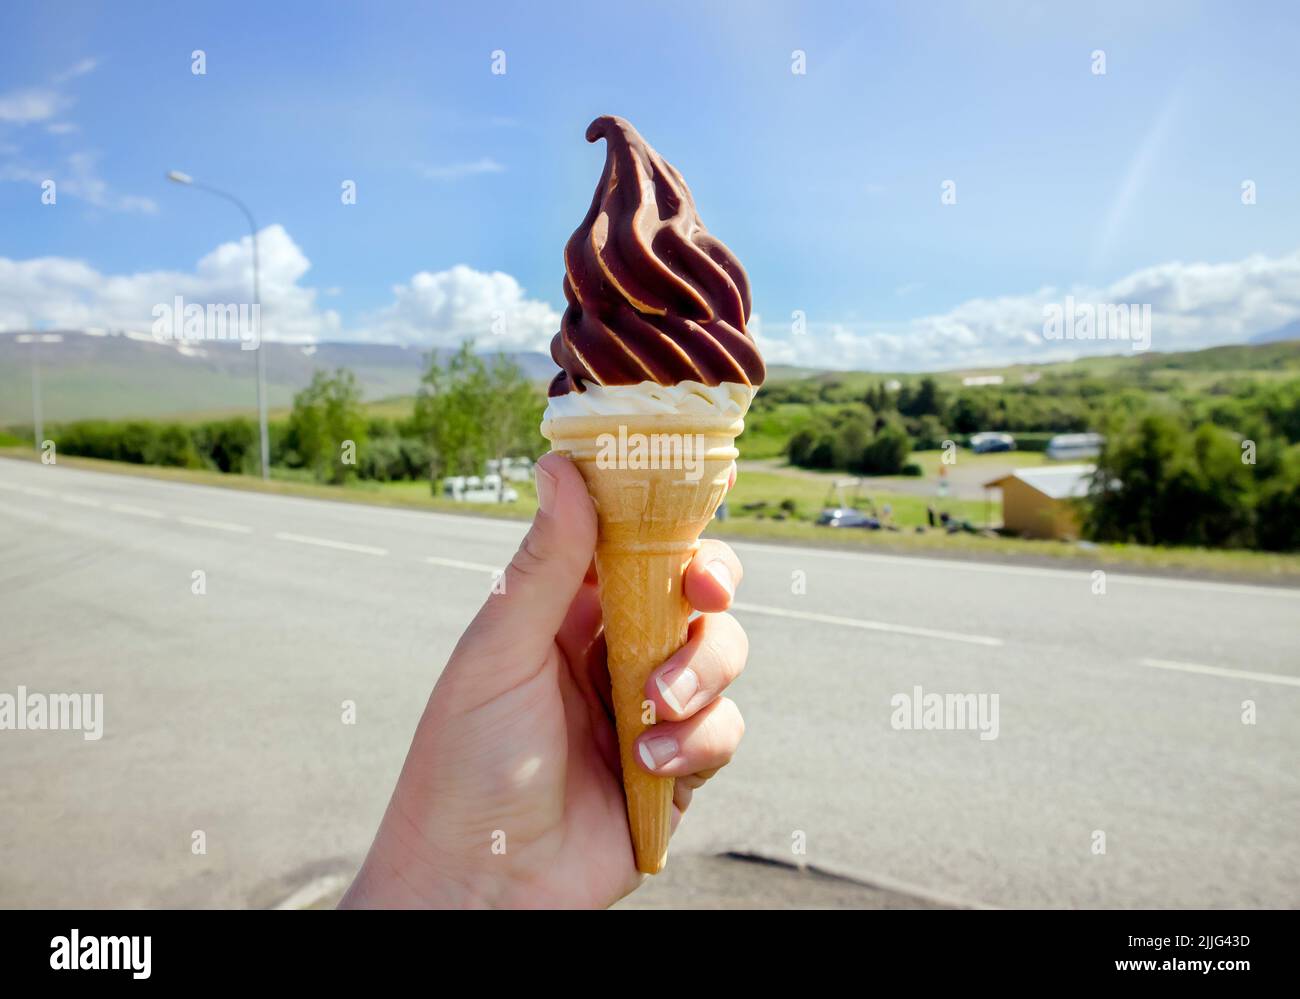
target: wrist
396 877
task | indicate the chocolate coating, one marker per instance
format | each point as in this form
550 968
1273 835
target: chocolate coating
652 295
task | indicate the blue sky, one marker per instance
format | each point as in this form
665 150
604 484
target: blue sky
827 185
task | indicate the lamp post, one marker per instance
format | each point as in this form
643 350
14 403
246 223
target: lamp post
183 178
36 339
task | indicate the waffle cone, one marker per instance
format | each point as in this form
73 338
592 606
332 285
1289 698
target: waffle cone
650 519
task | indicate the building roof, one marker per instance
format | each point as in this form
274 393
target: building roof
1055 481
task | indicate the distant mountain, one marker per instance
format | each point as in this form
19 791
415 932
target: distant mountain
121 375
114 375
1291 331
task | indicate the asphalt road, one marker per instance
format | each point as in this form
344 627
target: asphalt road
1118 713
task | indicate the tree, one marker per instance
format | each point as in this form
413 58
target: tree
326 418
512 418
1279 505
1159 484
887 453
851 440
927 433
926 400
800 446
469 410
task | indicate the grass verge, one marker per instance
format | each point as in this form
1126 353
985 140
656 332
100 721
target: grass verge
1247 566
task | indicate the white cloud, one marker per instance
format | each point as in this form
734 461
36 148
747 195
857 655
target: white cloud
82 181
458 171
431 309
1192 305
78 178
70 293
23 107
79 69
442 309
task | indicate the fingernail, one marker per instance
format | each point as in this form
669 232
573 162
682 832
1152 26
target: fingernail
719 571
545 489
678 687
657 751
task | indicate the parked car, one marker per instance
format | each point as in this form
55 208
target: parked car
847 517
988 442
843 509
1072 447
512 469
476 489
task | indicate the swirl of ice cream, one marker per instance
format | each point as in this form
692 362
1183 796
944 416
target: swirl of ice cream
729 399
652 296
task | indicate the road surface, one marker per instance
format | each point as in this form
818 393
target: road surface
1145 751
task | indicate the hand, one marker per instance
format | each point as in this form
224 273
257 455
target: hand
511 794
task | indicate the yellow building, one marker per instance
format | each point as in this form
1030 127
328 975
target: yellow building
1042 502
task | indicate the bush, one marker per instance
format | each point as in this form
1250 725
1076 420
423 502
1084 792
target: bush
1159 484
1278 512
231 445
887 453
928 434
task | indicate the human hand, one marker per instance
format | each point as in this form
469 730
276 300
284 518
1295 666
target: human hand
511 795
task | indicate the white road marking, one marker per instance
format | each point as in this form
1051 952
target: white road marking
216 525
1235 674
455 563
137 511
23 513
314 891
80 500
344 546
1083 575
853 622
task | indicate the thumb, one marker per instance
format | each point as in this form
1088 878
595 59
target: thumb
516 627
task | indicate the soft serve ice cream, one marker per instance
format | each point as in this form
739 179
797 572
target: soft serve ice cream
657 306
657 371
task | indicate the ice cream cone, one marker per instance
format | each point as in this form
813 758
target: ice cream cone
651 506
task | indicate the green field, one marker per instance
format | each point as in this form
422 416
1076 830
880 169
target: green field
758 495
1245 565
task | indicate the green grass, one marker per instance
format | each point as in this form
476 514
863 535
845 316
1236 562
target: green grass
810 492
994 463
1257 567
1190 369
768 431
292 482
753 485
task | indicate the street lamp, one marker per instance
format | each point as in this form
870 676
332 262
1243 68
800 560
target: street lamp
36 339
183 178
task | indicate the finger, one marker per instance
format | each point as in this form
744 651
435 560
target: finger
581 626
731 479
694 781
714 655
705 741
517 626
682 796
712 577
